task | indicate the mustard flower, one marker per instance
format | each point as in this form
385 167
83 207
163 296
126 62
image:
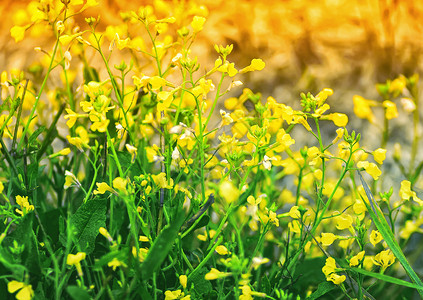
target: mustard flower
339 135
384 259
75 260
215 274
119 184
256 65
178 294
391 111
340 120
323 95
408 105
161 181
222 250
336 279
356 259
103 187
24 204
114 263
198 23
327 239
18 32
258 261
406 193
228 191
25 290
183 280
362 108
375 237
370 168
103 231
379 155
344 221
294 212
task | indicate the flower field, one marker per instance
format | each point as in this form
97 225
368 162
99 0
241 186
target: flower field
149 151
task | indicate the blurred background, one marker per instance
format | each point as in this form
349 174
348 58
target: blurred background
306 44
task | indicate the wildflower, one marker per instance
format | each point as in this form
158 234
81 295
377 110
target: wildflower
114 263
340 120
339 135
222 250
256 65
384 259
328 238
24 204
18 32
323 95
75 260
343 221
294 212
103 187
406 193
143 238
25 290
119 184
370 168
375 237
329 270
178 294
356 259
362 108
198 23
267 162
226 118
228 191
103 231
271 218
258 261
379 155
161 181
215 274
70 179
62 152
391 111
183 279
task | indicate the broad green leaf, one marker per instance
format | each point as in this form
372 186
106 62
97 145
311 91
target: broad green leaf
161 247
86 221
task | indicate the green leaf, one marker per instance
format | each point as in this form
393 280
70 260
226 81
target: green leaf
77 293
161 247
323 288
86 221
33 138
386 278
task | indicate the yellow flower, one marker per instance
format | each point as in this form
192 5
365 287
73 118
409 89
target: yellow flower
198 23
119 184
258 261
103 187
362 108
75 260
18 32
384 259
157 82
340 120
25 293
329 266
256 65
323 95
294 212
336 279
222 250
215 274
344 221
379 155
114 263
356 259
370 168
328 238
391 111
228 191
183 279
406 193
24 204
375 237
103 231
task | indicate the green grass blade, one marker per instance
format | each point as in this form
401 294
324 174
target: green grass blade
384 228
